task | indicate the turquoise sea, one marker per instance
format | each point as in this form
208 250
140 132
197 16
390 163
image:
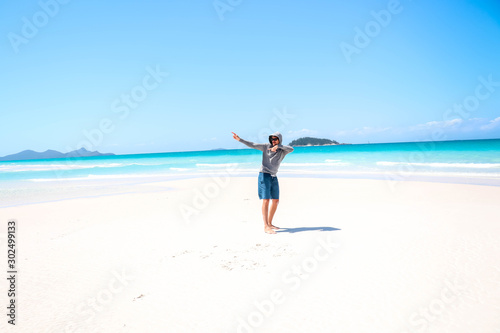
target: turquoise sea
470 161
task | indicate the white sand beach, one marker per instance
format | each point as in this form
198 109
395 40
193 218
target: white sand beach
191 256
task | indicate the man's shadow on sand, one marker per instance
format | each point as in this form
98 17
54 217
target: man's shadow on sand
301 229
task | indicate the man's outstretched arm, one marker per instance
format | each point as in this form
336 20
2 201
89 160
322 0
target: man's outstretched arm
258 146
287 149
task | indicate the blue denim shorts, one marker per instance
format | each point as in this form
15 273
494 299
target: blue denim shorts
269 188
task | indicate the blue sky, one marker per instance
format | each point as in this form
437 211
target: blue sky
159 76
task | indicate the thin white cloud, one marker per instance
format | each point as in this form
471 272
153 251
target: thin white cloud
491 125
301 133
431 125
449 129
363 131
457 126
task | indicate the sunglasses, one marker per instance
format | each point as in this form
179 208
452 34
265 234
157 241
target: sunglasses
274 139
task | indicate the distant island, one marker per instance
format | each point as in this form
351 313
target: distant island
309 141
48 154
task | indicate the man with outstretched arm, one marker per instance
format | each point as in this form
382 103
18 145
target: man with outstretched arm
272 155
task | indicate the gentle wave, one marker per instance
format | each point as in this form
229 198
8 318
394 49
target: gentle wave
394 175
444 165
315 164
217 165
99 177
50 167
185 172
251 172
448 174
69 166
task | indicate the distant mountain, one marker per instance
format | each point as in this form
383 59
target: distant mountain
33 155
308 141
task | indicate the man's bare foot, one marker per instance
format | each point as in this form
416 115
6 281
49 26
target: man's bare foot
268 230
274 227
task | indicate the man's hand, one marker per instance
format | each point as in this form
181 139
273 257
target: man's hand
235 136
273 149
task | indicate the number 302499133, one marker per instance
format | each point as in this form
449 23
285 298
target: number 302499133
11 234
